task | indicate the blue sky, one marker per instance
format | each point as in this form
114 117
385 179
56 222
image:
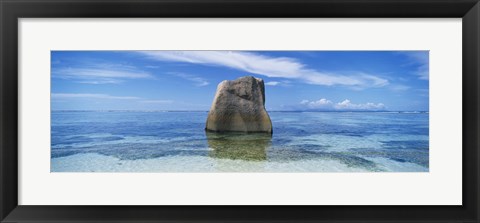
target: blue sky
187 80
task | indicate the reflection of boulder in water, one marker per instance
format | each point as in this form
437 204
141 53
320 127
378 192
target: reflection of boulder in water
251 147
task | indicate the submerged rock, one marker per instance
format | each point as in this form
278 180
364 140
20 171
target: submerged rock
239 106
239 146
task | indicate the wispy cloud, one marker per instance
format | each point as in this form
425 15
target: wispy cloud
272 83
278 83
399 87
420 58
345 105
423 92
279 67
100 73
198 81
58 96
95 96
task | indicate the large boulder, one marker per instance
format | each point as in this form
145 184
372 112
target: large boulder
239 106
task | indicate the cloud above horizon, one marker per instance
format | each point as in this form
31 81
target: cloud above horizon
345 105
198 81
277 67
91 96
272 83
420 58
100 73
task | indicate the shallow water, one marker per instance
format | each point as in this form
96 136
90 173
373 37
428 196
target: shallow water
85 141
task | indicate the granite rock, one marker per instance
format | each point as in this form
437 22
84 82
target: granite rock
239 106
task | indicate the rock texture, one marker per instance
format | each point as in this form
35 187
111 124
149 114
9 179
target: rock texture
239 106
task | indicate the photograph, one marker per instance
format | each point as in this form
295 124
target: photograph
240 111
258 111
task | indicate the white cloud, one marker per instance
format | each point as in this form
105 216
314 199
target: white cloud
96 96
346 105
279 67
272 83
100 73
322 103
284 83
198 81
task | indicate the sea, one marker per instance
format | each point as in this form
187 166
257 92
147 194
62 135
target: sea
302 142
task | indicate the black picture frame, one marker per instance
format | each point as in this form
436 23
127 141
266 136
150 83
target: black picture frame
12 10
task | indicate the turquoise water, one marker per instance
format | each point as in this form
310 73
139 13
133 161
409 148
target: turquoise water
91 141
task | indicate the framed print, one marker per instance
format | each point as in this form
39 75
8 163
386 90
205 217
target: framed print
239 111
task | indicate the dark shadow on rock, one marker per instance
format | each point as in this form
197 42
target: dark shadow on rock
239 146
